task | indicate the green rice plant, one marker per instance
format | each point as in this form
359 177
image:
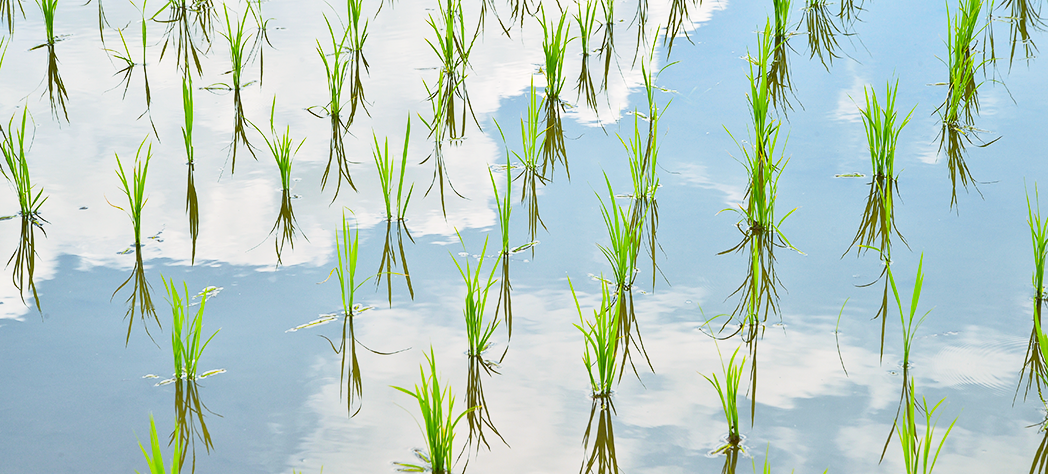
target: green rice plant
385 165
478 332
916 446
437 406
962 98
186 333
24 259
587 23
388 265
357 33
728 392
135 189
192 204
47 8
882 135
13 147
254 7
280 147
505 209
155 458
452 49
237 41
909 325
128 61
625 236
554 45
528 159
822 32
346 247
1036 351
182 32
335 70
602 339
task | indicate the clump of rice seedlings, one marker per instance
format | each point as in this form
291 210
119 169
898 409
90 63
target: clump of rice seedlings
24 259
916 446
778 70
602 341
962 98
452 49
394 212
13 147
554 45
728 392
140 300
346 247
1035 351
280 146
478 331
437 406
822 32
237 41
586 19
335 70
186 332
181 31
625 237
528 160
385 165
155 458
47 8
602 458
503 204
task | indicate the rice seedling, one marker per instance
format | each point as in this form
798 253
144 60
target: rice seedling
193 211
394 215
47 8
586 19
452 49
134 189
503 205
822 32
917 447
625 243
602 458
602 339
385 165
155 458
528 160
478 331
962 97
7 13
280 147
346 247
335 70
186 333
13 147
181 32
437 406
237 41
554 45
1035 351
728 392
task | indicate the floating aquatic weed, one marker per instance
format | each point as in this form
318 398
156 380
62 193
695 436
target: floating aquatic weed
438 419
394 214
186 335
602 339
156 459
602 459
728 392
586 21
478 333
822 32
625 237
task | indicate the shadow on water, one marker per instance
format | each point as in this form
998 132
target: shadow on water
1023 17
679 16
849 12
553 148
479 418
24 257
192 210
954 139
607 47
190 425
140 301
56 89
586 20
601 459
1040 457
7 13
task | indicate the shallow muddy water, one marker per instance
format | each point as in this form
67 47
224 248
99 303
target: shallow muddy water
74 395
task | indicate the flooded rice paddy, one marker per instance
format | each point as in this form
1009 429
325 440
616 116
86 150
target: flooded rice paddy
686 181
